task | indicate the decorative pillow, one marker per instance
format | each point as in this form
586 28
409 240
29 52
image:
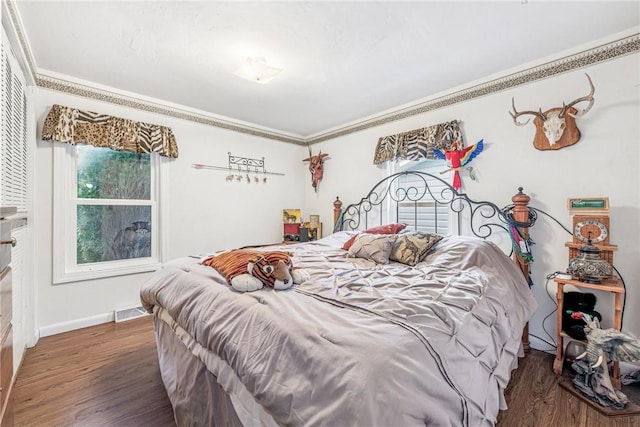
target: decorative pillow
412 248
380 229
374 247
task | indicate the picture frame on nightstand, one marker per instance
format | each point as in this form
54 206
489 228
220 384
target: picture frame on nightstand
291 216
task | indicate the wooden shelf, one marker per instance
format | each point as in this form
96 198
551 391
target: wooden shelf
610 285
601 247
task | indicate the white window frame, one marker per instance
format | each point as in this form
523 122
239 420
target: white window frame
65 266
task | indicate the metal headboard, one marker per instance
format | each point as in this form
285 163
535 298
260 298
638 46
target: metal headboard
409 191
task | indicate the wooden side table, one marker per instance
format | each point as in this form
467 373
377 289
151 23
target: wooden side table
610 285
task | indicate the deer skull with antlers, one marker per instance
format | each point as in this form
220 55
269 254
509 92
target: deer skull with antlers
556 128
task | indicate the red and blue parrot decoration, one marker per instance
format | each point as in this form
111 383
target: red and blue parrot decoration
457 158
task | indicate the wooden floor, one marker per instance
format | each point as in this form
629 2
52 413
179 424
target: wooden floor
535 399
108 375
105 375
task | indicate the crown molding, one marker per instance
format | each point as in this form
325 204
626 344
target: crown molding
605 52
104 94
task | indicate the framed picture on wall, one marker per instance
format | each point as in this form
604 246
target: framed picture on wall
291 216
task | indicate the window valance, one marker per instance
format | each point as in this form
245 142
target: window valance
418 143
70 125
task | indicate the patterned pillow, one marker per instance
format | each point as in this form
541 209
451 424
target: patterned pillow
412 248
380 229
374 247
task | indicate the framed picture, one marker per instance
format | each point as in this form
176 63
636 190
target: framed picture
588 205
291 216
314 221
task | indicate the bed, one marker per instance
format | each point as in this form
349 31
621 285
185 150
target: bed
360 342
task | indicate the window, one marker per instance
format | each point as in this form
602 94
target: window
432 215
106 212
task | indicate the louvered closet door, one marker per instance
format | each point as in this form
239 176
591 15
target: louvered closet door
13 153
13 193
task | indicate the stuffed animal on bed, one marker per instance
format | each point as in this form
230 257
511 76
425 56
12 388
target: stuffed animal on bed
248 270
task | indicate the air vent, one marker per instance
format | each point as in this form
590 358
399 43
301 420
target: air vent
130 313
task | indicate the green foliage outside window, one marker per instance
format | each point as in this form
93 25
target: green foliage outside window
118 230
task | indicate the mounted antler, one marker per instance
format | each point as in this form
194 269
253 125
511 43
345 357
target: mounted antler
556 128
517 114
589 98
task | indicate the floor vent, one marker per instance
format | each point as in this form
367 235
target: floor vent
130 313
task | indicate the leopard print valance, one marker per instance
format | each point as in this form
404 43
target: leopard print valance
418 143
70 125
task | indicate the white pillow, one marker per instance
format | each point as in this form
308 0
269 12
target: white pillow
374 247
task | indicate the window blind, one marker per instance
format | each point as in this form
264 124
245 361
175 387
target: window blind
429 214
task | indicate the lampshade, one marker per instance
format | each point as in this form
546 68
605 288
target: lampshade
257 70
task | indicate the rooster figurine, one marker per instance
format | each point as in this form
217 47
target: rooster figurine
457 158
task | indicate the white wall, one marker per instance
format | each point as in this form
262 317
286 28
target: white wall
206 213
604 163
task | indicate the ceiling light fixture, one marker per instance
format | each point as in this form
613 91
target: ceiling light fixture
257 70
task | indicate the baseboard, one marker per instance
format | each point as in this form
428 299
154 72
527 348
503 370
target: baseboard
72 325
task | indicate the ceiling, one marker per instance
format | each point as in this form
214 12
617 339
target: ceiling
343 61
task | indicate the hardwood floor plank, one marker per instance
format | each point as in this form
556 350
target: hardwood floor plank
108 375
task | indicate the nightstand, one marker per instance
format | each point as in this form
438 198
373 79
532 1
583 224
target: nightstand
609 285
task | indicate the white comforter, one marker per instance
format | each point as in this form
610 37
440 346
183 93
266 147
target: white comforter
360 343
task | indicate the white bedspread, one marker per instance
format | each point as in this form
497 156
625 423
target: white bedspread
360 343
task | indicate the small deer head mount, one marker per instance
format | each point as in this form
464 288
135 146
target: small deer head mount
556 128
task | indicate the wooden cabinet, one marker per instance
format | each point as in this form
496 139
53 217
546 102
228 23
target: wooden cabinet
6 330
610 285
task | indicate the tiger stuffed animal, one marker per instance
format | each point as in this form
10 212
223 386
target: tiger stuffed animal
248 270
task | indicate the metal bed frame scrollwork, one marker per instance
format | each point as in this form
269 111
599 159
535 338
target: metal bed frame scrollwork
484 216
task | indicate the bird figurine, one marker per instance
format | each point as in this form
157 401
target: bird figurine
592 372
457 158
